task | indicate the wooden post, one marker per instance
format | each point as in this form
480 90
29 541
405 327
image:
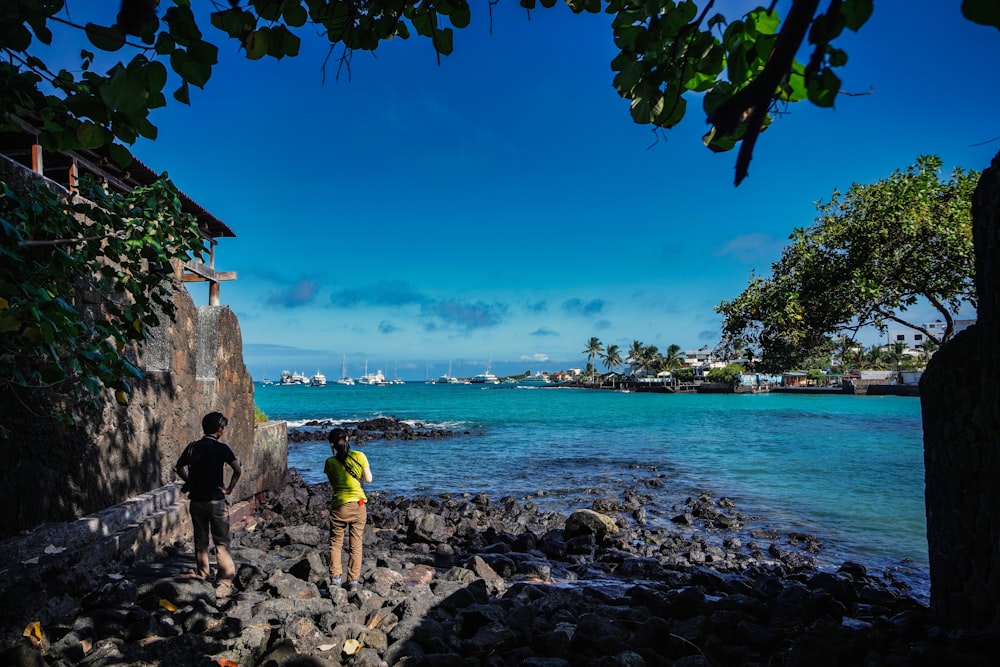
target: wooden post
37 165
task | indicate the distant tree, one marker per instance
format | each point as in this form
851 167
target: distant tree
650 359
634 356
730 374
871 255
594 348
674 357
612 357
684 374
875 358
816 375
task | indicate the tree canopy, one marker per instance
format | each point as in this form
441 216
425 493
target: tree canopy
742 68
872 254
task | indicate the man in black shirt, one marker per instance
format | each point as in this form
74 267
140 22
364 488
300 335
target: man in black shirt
201 468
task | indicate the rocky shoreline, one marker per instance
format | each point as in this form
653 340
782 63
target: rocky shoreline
469 580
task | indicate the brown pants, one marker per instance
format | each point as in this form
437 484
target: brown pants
354 516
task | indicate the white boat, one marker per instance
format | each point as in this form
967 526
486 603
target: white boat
536 380
344 378
485 378
317 380
288 378
374 379
447 378
395 376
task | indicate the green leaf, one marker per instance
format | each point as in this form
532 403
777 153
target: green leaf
105 38
823 89
269 10
857 12
165 44
182 94
764 21
838 57
15 38
90 134
294 13
204 52
124 92
190 69
983 12
444 41
461 14
154 75
256 43
282 42
121 155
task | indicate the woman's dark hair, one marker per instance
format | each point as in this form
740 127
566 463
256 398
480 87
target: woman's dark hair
214 422
340 447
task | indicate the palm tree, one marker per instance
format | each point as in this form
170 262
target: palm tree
650 358
634 355
594 348
875 358
612 358
673 358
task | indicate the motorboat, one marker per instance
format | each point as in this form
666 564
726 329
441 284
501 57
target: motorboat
373 379
536 380
289 378
485 378
317 380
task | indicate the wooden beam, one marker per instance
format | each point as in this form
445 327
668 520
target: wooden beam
203 273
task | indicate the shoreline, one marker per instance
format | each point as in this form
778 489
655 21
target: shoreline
452 578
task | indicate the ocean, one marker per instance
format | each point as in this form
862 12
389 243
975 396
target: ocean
847 469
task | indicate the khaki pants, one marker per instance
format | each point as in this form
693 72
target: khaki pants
354 516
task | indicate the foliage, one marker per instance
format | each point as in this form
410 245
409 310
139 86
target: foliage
594 348
259 416
611 357
872 254
815 374
730 374
68 312
683 374
741 69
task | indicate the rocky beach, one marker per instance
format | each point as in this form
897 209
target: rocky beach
471 580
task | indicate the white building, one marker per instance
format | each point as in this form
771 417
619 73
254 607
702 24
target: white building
912 338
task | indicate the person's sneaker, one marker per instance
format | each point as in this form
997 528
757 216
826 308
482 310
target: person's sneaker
335 581
352 587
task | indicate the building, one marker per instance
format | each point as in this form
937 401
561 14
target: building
912 338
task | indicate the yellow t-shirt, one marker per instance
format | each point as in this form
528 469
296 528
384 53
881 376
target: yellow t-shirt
346 487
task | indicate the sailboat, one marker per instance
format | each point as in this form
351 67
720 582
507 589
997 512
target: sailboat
447 378
344 379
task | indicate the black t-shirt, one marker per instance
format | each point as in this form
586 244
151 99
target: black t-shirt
205 459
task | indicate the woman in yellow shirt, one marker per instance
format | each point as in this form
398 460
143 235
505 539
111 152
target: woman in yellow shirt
346 470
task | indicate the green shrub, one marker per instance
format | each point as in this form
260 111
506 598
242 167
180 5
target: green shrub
258 415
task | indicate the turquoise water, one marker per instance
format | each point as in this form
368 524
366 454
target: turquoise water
848 469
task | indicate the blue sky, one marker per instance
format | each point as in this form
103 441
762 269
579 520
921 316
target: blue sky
503 205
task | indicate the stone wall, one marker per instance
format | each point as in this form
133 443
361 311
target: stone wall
53 470
133 529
